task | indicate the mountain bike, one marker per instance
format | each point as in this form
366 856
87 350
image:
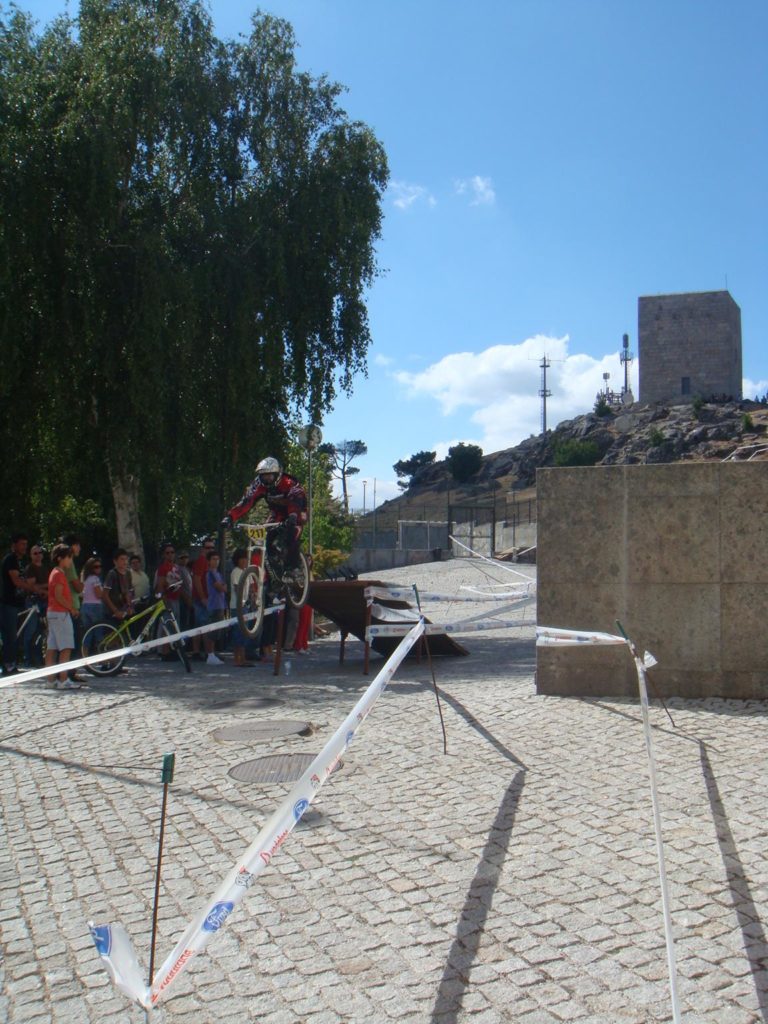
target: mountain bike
40 639
103 637
270 578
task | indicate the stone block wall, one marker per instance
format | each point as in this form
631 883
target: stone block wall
693 337
679 554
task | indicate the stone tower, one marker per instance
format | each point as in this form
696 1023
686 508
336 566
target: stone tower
689 344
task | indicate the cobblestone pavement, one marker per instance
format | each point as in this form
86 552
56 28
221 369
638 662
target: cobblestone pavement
514 879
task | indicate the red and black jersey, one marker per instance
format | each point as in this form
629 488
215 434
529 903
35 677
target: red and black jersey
284 497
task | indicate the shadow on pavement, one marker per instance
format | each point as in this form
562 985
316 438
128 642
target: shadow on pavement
470 719
477 906
738 887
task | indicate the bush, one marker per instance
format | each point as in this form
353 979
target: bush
656 438
576 453
464 460
602 408
326 559
747 423
697 404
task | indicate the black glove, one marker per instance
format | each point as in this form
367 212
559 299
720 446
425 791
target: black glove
291 519
226 523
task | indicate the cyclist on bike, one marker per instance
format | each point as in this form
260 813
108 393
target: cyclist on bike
286 499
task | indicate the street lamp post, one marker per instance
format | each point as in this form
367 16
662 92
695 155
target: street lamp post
365 484
309 438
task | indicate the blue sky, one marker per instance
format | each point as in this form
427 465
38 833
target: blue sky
551 160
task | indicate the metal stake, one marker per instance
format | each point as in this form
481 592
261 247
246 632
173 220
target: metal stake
169 762
432 671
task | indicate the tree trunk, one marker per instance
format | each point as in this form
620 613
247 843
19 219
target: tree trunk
125 494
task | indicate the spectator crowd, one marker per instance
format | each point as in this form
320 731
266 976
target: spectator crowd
49 601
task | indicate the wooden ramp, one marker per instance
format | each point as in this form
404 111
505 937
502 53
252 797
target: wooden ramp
344 603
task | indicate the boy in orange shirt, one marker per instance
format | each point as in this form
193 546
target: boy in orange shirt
61 610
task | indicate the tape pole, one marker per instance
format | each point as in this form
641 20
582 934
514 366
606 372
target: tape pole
169 764
665 901
112 940
550 636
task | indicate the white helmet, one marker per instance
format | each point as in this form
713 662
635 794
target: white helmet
269 465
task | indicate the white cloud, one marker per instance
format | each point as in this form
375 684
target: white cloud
501 385
479 188
405 195
380 360
750 388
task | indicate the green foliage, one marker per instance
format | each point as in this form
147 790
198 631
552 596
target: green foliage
697 404
188 231
409 467
602 408
656 438
332 527
747 423
464 460
326 559
573 452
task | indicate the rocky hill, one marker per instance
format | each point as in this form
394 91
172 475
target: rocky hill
632 435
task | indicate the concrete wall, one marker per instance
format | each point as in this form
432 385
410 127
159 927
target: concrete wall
679 554
368 560
696 335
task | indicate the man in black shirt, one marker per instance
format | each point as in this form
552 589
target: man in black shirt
13 590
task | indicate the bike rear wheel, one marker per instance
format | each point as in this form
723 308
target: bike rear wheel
169 627
100 639
250 601
296 583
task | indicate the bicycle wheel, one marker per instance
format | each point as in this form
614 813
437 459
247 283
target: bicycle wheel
98 640
296 583
250 601
40 643
169 627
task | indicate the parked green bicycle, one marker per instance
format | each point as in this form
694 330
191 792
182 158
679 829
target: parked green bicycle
104 637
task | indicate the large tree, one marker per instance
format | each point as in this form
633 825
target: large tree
187 229
342 455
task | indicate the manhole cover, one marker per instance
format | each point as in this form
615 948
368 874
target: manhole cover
275 768
255 731
244 704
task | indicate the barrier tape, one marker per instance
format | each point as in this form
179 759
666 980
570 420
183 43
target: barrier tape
112 940
133 649
397 621
547 636
401 594
433 629
490 561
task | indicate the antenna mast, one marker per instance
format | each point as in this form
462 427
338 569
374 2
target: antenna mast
544 394
626 358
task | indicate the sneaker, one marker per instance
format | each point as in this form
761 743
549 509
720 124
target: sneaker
67 684
213 660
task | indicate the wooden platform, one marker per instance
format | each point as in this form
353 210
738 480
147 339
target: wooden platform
344 603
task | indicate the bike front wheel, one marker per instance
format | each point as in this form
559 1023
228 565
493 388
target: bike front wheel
100 639
250 601
169 627
296 582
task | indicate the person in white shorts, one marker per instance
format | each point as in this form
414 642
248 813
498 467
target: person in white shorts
61 609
